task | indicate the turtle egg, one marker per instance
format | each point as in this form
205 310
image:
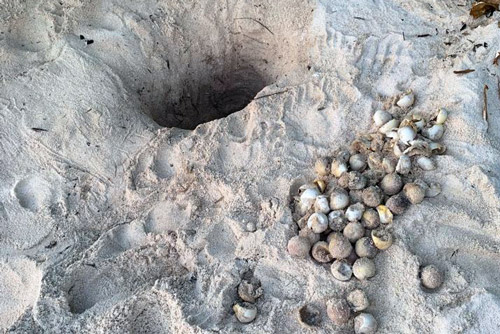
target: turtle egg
322 167
354 212
389 126
363 268
398 203
414 192
308 197
404 165
365 247
322 204
384 214
381 117
337 220
370 219
357 300
309 234
341 270
406 100
339 246
406 134
338 168
357 162
372 196
382 239
318 222
321 253
299 246
431 277
365 323
441 117
339 199
249 291
356 181
391 184
245 312
338 311
354 231
435 132
426 163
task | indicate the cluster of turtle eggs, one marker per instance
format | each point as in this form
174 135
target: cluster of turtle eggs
249 291
346 215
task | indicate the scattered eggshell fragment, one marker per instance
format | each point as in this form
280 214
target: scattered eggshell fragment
389 126
382 239
404 165
385 214
406 134
406 100
442 116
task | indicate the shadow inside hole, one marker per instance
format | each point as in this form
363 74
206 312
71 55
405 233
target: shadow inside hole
202 100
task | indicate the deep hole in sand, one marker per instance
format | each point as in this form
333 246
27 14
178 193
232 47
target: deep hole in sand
215 96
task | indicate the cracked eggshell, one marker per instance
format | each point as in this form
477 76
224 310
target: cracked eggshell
406 100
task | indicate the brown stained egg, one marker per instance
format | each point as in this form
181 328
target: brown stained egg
372 196
414 193
337 220
354 231
321 253
339 246
338 311
431 277
370 219
398 203
341 270
299 246
391 184
356 181
365 247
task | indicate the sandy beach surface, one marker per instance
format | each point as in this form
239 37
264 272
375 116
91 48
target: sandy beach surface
150 150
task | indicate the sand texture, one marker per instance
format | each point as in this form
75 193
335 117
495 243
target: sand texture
130 203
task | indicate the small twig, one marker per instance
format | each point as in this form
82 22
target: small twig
464 71
424 35
249 18
39 130
485 106
359 18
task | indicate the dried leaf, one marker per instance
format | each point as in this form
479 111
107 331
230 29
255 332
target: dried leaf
481 8
464 71
496 59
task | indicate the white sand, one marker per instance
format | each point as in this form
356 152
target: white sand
110 223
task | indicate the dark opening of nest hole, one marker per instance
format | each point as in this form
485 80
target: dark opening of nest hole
203 99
